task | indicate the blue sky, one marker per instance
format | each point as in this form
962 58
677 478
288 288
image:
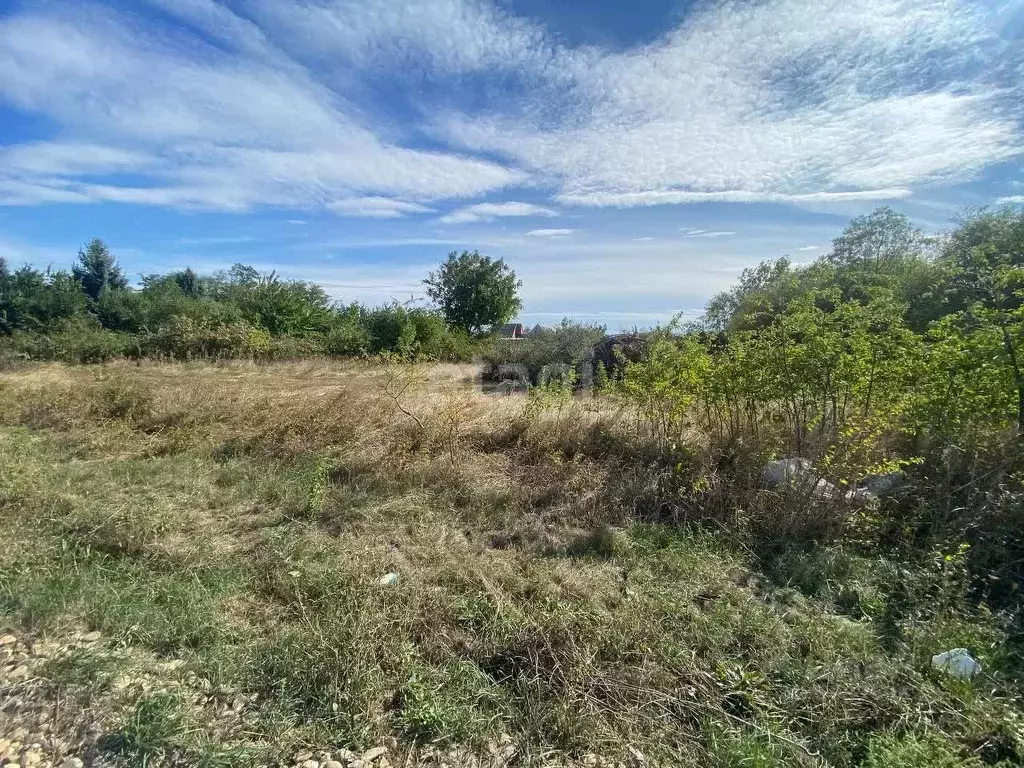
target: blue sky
627 159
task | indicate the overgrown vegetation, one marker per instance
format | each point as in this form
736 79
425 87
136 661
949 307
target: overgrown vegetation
90 314
572 578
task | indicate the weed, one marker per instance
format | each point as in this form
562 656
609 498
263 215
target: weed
568 585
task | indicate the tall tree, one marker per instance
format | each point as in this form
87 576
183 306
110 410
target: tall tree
474 291
97 269
882 241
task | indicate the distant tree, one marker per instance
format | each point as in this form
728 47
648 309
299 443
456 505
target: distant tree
761 291
38 301
882 241
243 274
97 269
474 291
189 282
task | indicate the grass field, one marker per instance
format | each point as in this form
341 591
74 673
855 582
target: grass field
191 567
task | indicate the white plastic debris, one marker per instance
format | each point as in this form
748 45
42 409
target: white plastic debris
957 662
389 579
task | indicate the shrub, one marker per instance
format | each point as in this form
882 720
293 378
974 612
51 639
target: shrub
77 341
571 344
184 338
348 338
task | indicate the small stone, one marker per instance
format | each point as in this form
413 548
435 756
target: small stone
333 764
8 640
91 637
73 762
310 764
637 754
372 754
345 756
18 673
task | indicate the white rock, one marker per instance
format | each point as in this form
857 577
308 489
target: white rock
957 662
72 762
333 764
785 472
389 580
372 754
884 484
18 673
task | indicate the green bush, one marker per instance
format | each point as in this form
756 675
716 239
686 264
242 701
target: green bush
77 341
569 345
184 338
915 752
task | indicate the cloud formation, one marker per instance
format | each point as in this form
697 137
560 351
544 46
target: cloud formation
376 207
400 104
687 232
490 211
550 232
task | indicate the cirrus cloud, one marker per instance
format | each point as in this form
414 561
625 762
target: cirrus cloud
490 211
303 104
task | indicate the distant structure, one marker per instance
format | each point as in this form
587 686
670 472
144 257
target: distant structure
511 331
537 331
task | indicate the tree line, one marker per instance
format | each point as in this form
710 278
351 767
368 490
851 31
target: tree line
90 313
889 328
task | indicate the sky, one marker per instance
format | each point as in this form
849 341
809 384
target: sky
627 159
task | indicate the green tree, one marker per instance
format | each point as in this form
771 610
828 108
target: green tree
761 292
985 257
881 241
98 269
37 301
474 291
189 282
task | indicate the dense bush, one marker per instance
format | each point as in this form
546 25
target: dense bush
568 346
75 341
91 315
848 363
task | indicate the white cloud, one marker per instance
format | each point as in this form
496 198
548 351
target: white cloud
550 232
704 233
206 128
298 222
1011 200
643 239
57 159
674 197
787 101
299 104
376 207
810 248
490 211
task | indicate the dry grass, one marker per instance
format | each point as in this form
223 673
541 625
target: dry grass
551 610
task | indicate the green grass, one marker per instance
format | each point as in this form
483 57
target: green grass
529 609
